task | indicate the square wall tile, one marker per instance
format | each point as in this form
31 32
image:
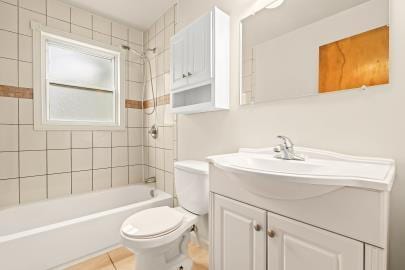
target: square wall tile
8 138
8 44
32 163
58 9
8 71
160 179
101 139
135 174
169 137
119 156
136 36
81 31
8 17
31 139
134 136
119 31
81 17
26 111
160 158
102 38
101 179
169 16
59 161
8 110
169 161
58 140
119 176
34 5
160 24
101 158
33 189
8 165
59 185
58 24
135 155
81 139
13 2
119 138
101 25
25 75
82 159
134 118
25 18
169 183
9 192
82 182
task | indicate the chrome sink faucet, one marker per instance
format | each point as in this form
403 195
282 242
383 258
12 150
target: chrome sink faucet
286 150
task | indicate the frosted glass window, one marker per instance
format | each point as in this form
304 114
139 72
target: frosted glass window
75 104
80 67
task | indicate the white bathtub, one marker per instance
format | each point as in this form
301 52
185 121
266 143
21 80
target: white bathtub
52 233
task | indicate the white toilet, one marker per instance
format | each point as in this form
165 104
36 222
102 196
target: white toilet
159 236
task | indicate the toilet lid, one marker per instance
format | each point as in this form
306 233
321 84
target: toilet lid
152 222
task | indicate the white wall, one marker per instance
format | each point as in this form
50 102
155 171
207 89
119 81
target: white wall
354 122
278 59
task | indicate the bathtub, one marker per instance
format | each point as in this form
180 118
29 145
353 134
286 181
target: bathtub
52 233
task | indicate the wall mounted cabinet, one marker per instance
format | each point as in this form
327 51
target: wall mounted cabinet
200 65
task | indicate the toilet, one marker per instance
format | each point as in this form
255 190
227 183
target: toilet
159 236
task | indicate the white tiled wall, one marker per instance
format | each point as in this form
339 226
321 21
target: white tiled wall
35 165
159 154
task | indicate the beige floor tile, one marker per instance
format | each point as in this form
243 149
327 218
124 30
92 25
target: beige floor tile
123 259
101 262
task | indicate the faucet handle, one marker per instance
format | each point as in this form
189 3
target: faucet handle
278 148
286 141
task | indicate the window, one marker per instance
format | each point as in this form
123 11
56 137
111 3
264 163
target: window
78 83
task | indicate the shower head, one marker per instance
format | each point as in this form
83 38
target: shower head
142 54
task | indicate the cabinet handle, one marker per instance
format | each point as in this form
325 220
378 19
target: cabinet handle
271 233
257 227
184 75
189 73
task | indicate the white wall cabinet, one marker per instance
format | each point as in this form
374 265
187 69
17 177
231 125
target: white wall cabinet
200 65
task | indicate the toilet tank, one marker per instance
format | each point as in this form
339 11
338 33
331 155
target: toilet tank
192 186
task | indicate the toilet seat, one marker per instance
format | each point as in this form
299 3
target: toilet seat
162 239
152 223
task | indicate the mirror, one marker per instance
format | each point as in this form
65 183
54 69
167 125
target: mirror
297 48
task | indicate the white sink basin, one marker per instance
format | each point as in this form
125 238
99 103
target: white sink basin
321 172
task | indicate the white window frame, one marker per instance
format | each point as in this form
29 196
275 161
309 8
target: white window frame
41 36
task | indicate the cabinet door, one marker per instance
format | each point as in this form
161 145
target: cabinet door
199 51
296 246
179 60
239 236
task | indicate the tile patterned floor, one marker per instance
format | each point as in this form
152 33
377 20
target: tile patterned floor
123 259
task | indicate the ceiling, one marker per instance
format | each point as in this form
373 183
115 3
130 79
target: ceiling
138 13
293 14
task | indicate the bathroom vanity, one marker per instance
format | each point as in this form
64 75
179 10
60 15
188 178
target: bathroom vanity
329 211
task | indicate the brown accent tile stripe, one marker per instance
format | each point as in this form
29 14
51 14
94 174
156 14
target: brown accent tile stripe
16 92
20 92
133 104
162 100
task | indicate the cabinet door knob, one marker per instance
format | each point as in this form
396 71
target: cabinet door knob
271 233
184 75
257 227
189 73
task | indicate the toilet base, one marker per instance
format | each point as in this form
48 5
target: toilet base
173 256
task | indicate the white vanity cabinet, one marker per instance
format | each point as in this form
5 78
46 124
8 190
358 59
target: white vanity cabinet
240 236
200 65
294 245
265 220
